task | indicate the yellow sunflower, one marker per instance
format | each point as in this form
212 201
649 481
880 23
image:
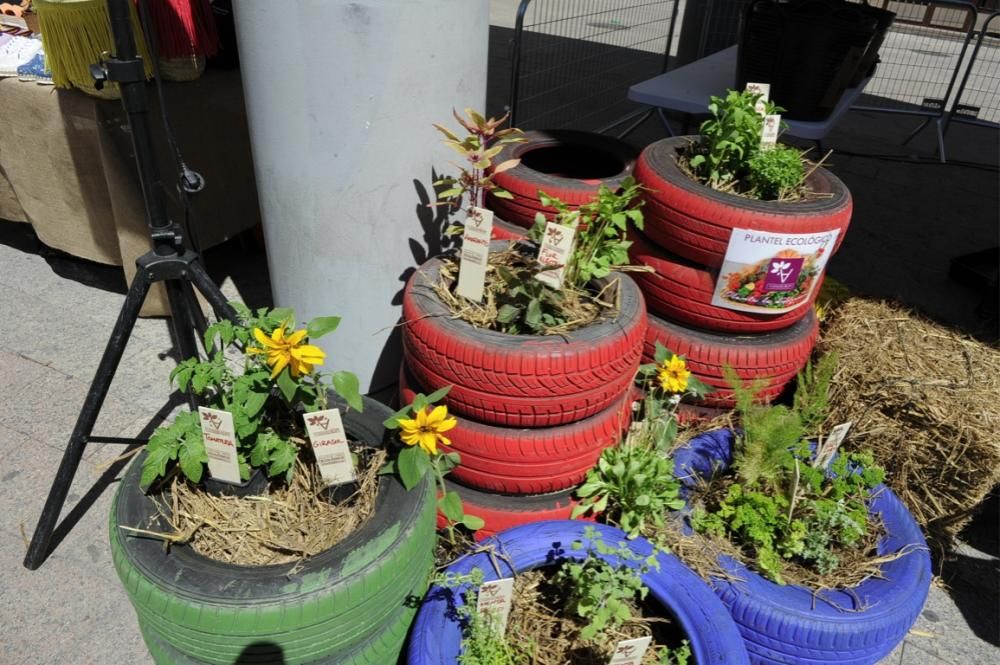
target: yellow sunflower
673 375
288 351
427 429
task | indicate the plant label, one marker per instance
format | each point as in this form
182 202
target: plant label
329 444
771 273
556 250
219 435
831 444
769 134
764 90
630 652
494 599
475 254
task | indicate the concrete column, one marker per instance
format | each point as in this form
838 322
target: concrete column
340 99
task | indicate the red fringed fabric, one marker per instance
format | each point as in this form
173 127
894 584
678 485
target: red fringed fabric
184 28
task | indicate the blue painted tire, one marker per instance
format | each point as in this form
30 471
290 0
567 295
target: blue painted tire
787 624
436 636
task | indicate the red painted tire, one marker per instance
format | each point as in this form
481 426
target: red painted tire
502 512
568 165
521 380
508 460
695 222
503 230
776 357
682 292
519 212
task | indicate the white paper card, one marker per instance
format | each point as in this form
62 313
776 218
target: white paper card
772 273
475 254
494 599
630 652
769 134
831 444
219 435
329 444
556 250
764 90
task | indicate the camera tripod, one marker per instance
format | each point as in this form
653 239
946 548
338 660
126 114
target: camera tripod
170 262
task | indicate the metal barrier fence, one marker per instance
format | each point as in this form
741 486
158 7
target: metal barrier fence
573 61
921 57
977 100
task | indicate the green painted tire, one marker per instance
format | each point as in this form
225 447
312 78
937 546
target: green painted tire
336 602
383 647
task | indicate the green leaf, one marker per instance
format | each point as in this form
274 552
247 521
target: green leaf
438 395
192 463
322 325
412 464
284 315
451 506
473 523
507 313
346 385
533 316
282 458
287 384
662 354
392 422
501 193
254 403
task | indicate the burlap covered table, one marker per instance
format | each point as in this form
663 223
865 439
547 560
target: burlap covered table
67 168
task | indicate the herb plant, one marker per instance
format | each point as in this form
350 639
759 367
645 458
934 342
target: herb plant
263 390
483 141
633 485
600 593
729 157
601 227
422 427
783 503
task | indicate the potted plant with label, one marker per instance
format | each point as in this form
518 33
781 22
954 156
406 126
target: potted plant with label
527 336
573 593
319 564
735 175
812 554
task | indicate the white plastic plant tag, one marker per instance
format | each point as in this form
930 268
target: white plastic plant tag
556 249
219 435
475 254
764 90
494 599
630 652
831 444
769 134
329 444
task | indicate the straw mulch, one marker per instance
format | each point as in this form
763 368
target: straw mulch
551 634
286 525
926 401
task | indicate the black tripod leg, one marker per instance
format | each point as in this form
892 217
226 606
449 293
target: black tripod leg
198 321
181 324
211 292
39 547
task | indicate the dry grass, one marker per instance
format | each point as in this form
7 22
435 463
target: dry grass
578 307
926 401
287 525
538 618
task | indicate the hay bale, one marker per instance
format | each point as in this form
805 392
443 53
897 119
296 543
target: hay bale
926 401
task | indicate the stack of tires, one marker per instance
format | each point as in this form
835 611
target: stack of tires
534 412
567 165
686 233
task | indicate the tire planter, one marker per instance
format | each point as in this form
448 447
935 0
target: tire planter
503 230
509 460
502 512
682 291
789 624
436 637
695 221
334 607
520 380
776 356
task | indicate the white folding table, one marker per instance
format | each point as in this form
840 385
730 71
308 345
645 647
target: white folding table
687 89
